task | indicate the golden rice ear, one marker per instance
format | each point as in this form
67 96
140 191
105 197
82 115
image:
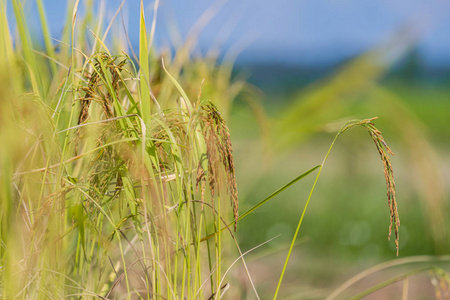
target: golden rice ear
219 153
96 89
384 152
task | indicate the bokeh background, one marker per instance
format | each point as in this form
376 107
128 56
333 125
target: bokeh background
309 67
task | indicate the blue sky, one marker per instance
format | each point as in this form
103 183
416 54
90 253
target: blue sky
293 31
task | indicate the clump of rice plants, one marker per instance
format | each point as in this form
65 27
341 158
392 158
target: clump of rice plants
103 174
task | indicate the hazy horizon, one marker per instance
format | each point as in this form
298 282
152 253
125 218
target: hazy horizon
319 32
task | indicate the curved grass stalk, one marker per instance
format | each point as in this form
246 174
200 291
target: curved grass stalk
385 265
389 282
242 257
179 88
45 169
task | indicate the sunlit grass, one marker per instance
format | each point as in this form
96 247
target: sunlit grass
100 172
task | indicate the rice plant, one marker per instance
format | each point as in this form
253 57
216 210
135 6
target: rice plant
111 174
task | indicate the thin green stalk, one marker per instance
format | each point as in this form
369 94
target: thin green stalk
74 93
208 247
218 247
303 215
198 270
183 281
187 249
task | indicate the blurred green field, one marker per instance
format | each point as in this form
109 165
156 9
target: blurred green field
346 226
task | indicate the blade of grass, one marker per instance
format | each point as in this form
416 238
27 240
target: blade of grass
37 81
262 202
46 34
277 192
144 70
